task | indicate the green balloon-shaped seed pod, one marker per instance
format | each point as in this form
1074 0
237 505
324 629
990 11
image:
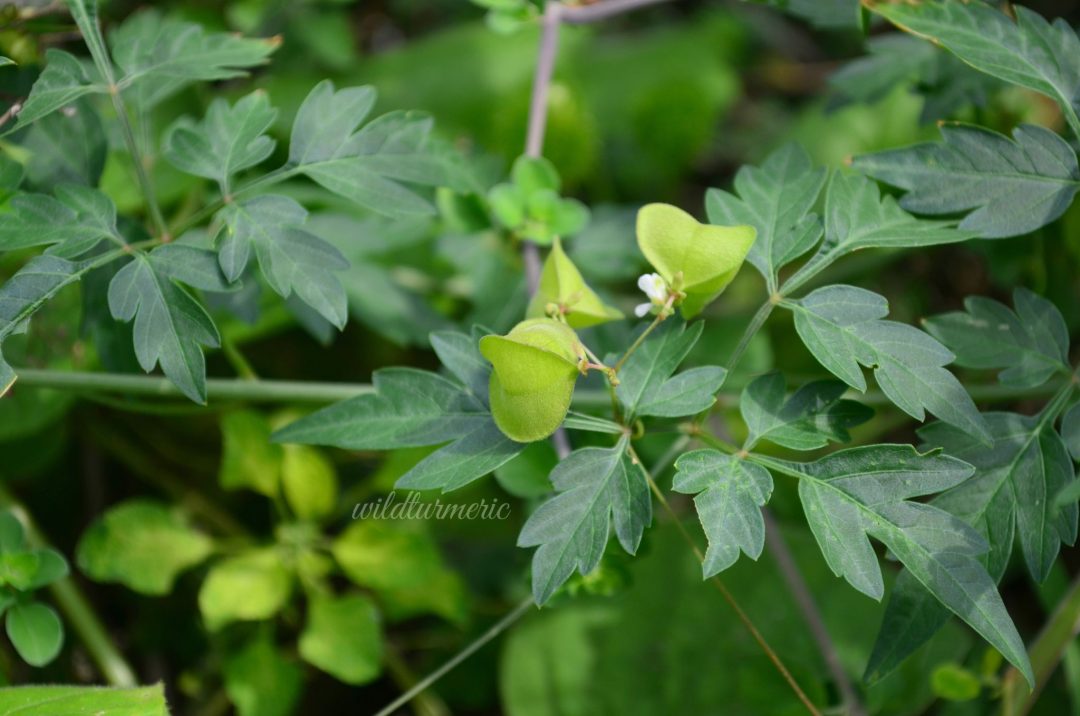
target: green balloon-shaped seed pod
561 283
536 366
707 257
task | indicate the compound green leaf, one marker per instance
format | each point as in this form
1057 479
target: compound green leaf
170 326
291 259
843 327
73 222
343 638
228 140
853 494
364 164
729 493
776 199
249 587
159 56
1029 52
70 700
63 81
647 370
35 632
191 265
1030 344
597 488
809 419
142 544
687 393
1013 185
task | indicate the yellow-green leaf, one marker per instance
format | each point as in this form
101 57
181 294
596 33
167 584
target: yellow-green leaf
309 482
561 283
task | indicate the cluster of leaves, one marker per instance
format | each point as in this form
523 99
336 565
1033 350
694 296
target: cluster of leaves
33 627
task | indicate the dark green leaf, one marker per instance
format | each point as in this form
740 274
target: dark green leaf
35 632
228 140
729 495
1031 344
191 265
596 487
170 326
1070 431
63 81
66 147
843 327
647 370
808 420
1014 185
687 393
291 259
866 491
776 199
75 221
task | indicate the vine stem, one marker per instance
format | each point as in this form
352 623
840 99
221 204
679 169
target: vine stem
728 596
752 329
660 317
110 662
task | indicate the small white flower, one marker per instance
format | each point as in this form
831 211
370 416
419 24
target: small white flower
654 286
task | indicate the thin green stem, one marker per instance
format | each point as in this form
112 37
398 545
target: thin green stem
752 329
645 334
276 176
76 608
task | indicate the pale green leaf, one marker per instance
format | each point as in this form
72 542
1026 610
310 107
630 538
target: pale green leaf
82 700
364 164
1030 344
953 682
74 222
63 81
159 56
261 681
249 587
35 632
229 139
291 259
1030 52
776 199
853 494
729 493
342 637
597 488
807 420
170 326
843 327
142 544
1008 187
309 482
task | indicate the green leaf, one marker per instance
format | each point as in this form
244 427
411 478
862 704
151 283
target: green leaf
809 419
825 14
534 174
687 393
596 488
776 199
63 81
41 278
75 221
364 165
11 177
51 567
248 459
35 632
953 682
12 534
309 482
729 493
291 259
1070 431
6 61
858 217
194 266
843 327
228 140
73 700
866 491
698 259
1030 344
1014 185
159 56
1030 52
460 354
342 637
562 285
535 369
66 147
261 681
142 544
413 408
646 373
249 587
170 326
18 569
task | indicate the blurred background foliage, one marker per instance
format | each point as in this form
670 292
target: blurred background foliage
655 106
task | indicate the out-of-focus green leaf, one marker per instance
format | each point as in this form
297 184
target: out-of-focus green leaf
342 637
53 700
562 285
63 81
261 681
308 481
66 147
142 544
249 460
1070 431
1030 344
807 420
843 327
249 587
729 493
1013 185
953 682
35 632
75 221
